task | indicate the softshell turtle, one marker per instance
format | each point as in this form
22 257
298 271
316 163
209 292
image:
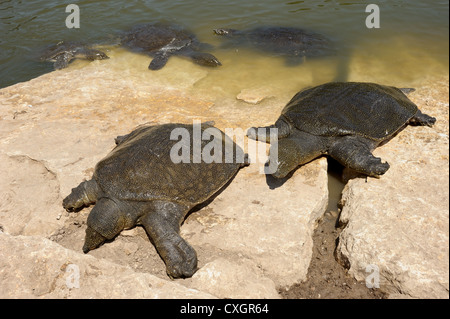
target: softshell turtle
293 43
161 41
142 182
346 121
63 52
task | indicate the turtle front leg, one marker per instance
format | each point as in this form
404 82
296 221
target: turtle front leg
355 153
159 61
62 60
297 149
84 194
163 227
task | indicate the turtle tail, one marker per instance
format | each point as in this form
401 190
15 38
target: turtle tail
406 91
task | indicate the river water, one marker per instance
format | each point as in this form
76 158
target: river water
412 41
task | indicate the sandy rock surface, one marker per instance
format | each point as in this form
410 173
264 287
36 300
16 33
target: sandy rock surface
252 239
54 130
35 267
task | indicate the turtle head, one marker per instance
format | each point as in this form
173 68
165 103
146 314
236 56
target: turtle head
92 54
101 56
225 32
205 59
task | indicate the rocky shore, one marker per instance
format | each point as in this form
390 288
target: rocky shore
252 240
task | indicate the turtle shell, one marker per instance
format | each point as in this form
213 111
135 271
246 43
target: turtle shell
140 167
51 52
153 37
336 109
281 40
289 41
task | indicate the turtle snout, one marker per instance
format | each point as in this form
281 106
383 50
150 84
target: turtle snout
214 62
210 60
226 32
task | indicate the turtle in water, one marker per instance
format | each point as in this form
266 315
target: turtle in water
345 120
292 43
63 52
144 182
161 41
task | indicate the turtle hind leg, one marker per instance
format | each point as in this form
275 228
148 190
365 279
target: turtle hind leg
422 119
355 153
265 133
84 194
163 227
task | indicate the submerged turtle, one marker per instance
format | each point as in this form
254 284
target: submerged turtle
293 43
63 52
139 182
346 121
161 41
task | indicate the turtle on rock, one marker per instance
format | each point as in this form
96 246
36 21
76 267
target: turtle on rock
162 40
344 120
63 52
293 43
143 181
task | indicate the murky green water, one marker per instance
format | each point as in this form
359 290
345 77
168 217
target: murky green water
412 41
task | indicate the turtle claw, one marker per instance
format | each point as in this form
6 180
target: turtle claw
182 262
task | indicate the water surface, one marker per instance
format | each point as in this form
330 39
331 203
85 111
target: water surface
412 40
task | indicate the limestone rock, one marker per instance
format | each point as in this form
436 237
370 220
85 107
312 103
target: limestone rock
30 197
259 219
398 224
254 95
55 128
226 279
35 267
